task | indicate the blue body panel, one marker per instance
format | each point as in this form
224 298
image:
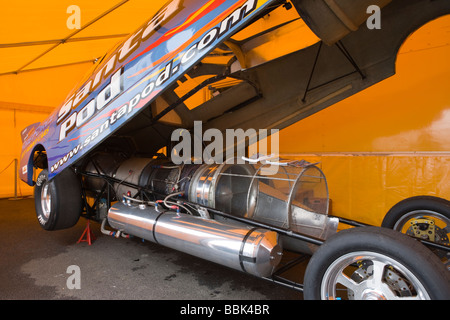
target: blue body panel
132 76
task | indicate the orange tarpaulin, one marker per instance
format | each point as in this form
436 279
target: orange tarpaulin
42 59
389 142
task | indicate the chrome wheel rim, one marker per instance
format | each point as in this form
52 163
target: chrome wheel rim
404 224
428 225
380 281
46 201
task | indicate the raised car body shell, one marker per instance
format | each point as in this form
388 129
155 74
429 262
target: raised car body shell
132 76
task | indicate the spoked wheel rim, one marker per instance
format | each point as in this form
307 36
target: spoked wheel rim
412 219
428 225
368 275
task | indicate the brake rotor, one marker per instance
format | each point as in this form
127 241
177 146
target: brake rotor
393 278
398 283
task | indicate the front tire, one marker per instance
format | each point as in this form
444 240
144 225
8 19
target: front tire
371 263
58 202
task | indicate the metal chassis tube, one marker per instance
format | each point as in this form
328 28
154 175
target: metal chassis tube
276 276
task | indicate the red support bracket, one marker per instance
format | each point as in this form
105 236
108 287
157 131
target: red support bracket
88 234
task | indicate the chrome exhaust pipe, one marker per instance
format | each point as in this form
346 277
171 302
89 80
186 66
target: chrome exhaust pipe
253 250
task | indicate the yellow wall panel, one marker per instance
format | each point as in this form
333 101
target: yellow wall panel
389 142
12 122
364 187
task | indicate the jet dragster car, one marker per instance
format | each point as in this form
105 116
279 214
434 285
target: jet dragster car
142 145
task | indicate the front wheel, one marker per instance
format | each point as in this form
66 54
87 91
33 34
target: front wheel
58 202
425 218
371 263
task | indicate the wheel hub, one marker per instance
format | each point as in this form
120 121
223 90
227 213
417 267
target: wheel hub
371 294
423 228
46 201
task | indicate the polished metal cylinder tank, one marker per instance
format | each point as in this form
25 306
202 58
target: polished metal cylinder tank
294 197
252 250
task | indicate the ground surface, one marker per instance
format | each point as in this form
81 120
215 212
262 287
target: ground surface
36 265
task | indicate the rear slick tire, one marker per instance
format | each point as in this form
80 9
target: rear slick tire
58 202
372 263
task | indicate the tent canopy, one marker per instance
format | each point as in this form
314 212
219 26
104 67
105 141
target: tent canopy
36 43
42 60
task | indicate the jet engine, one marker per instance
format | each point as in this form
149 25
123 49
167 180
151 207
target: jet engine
176 205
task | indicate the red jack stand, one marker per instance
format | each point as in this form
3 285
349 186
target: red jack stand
89 235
